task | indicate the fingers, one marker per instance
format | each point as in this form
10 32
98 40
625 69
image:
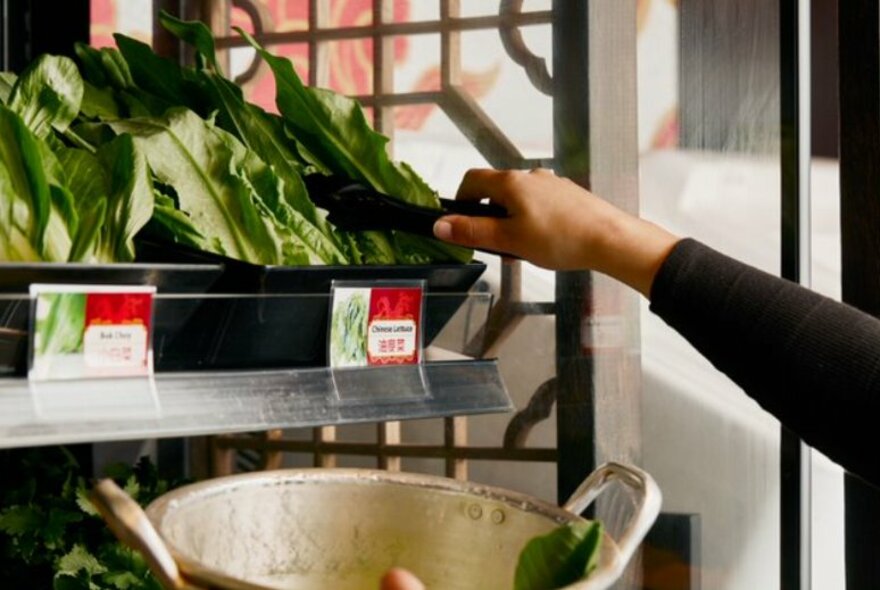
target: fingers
474 183
494 185
504 187
473 232
400 579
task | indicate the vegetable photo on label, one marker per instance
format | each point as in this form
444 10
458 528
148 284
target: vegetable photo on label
348 338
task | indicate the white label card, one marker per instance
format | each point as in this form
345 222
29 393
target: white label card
91 331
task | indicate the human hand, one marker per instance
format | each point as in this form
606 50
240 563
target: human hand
556 224
400 579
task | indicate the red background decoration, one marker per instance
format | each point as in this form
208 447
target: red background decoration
350 62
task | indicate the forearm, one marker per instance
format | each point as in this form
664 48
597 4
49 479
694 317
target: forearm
812 362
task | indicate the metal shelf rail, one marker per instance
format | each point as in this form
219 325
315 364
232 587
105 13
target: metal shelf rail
191 404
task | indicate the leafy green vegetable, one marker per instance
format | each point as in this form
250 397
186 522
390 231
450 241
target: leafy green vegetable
173 225
263 135
7 81
130 198
88 241
114 198
86 180
30 226
161 78
85 175
75 187
194 33
109 79
219 185
104 66
48 94
99 103
39 212
50 534
335 131
79 560
559 558
63 222
15 242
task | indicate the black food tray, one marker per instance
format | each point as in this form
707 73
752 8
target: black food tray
15 281
244 277
194 277
253 333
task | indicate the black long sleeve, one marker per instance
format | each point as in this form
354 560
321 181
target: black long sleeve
810 361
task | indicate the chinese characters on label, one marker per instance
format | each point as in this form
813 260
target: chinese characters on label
389 339
115 346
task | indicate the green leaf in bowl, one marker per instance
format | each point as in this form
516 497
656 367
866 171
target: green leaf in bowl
561 557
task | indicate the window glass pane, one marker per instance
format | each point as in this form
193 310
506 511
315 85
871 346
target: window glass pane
709 103
827 523
260 87
284 15
130 17
420 11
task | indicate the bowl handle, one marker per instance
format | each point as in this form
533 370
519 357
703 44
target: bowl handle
131 526
647 503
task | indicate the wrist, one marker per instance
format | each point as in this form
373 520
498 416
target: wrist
632 251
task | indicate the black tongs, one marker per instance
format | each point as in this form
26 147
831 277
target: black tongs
355 207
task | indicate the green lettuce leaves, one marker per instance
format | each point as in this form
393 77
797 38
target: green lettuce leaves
334 131
559 558
193 156
93 152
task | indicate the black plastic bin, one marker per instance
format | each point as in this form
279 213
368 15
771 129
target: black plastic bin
273 332
15 281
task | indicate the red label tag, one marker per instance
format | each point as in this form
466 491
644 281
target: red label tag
117 331
393 327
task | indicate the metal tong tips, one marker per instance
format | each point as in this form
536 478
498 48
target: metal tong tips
353 206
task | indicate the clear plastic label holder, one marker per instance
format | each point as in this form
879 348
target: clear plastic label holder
375 341
99 336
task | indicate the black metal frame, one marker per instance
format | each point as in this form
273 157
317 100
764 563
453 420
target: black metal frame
575 417
4 35
859 38
859 144
23 37
791 522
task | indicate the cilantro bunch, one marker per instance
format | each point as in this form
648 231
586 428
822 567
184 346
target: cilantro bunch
51 536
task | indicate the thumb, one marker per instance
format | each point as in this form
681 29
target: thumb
400 579
474 232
